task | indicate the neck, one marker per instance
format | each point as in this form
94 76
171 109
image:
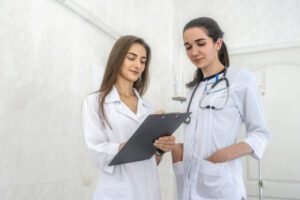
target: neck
124 87
212 69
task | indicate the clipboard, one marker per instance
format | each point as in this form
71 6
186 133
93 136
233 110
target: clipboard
140 144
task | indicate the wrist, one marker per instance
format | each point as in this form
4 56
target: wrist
226 154
177 153
159 152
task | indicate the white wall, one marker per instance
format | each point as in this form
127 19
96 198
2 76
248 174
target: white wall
48 60
47 54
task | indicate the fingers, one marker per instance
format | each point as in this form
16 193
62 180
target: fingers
166 143
121 145
166 140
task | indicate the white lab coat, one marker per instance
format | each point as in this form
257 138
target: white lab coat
210 130
132 181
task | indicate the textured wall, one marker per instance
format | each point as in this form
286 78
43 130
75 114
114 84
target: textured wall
250 22
50 59
47 54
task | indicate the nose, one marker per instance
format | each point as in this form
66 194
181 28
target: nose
194 51
138 65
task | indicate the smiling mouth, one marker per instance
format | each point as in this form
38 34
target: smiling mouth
135 72
198 60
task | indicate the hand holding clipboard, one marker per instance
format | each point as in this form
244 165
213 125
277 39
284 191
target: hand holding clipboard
140 144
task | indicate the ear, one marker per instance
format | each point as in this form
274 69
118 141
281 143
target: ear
218 44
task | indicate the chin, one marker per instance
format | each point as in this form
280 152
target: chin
200 66
133 79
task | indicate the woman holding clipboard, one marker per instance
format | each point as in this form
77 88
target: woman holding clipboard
110 117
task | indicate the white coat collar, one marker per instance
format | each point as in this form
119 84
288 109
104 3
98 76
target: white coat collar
143 107
112 96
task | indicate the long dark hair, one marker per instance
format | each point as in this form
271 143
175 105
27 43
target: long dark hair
213 31
113 66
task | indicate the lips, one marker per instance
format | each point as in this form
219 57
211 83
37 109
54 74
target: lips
134 72
197 60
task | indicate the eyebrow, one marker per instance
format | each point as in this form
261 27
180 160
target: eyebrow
198 40
136 55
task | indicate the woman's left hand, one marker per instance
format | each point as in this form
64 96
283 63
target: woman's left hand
166 143
219 156
231 152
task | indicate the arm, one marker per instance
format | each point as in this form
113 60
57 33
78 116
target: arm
230 153
177 153
257 133
177 157
257 136
100 148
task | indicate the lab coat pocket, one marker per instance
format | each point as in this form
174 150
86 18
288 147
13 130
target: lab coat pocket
213 180
112 190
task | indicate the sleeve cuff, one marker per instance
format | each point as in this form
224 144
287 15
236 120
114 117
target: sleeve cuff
178 168
179 175
113 150
257 146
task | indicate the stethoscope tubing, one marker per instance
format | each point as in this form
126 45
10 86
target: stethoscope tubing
188 119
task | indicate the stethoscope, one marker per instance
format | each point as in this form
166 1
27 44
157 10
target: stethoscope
218 80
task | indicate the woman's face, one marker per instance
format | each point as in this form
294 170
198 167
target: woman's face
201 49
134 63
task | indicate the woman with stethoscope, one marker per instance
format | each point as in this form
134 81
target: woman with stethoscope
208 164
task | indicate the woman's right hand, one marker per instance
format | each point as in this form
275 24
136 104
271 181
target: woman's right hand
121 145
177 152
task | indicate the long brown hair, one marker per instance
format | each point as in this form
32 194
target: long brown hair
213 31
113 66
